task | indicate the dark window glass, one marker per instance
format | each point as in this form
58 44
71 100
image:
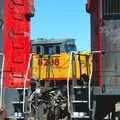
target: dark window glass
111 9
57 49
38 49
46 50
70 48
51 49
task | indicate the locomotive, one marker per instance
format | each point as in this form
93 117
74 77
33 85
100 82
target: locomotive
56 67
52 62
14 54
53 80
105 22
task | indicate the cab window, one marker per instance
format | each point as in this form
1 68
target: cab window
70 48
51 49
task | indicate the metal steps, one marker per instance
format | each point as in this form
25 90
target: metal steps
18 104
79 103
79 94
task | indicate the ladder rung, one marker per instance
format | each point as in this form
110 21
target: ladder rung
17 102
1 54
80 115
87 117
79 101
17 117
22 88
78 87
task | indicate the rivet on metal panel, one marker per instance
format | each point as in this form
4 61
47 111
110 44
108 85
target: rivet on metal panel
12 83
11 33
26 34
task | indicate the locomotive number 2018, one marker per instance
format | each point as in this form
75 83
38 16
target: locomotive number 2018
47 62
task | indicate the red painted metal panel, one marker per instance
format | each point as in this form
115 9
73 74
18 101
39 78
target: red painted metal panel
89 5
96 43
16 42
100 81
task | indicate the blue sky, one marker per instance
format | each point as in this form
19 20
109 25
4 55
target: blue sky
62 19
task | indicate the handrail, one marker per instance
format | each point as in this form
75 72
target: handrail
89 87
90 78
1 82
25 84
68 79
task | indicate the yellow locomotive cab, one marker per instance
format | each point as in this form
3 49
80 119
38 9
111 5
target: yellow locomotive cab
56 66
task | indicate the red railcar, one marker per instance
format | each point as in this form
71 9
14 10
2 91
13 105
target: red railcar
93 7
105 38
14 51
105 24
16 42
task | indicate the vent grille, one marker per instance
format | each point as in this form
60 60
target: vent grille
111 8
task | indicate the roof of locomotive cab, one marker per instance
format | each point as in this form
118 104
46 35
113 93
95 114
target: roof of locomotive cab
53 41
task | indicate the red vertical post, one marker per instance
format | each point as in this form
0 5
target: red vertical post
16 42
96 40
